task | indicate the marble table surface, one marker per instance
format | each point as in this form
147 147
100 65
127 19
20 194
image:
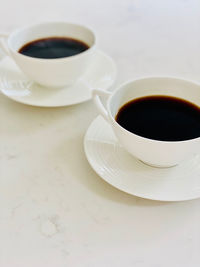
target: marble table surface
54 209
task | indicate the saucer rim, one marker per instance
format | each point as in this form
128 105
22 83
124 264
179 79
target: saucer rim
108 58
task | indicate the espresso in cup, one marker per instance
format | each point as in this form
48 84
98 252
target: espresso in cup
72 47
53 47
156 119
163 118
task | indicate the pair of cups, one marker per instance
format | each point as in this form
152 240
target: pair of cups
65 71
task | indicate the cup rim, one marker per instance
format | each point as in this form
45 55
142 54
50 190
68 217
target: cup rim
52 59
123 85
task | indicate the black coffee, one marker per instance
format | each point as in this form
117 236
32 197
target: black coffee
53 47
162 118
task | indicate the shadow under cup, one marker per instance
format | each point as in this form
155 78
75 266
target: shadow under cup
56 72
153 152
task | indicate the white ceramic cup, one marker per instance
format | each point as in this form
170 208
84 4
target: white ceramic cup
50 72
152 152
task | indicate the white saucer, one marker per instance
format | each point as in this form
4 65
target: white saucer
123 171
16 86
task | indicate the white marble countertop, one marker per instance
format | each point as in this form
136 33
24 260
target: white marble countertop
54 210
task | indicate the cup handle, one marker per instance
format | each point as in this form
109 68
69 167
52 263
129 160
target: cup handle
96 97
3 43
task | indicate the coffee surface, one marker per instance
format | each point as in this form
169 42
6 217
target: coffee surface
53 47
163 118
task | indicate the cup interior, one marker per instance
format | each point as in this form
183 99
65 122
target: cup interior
153 86
52 29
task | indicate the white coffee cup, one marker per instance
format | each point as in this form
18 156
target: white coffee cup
50 72
152 152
